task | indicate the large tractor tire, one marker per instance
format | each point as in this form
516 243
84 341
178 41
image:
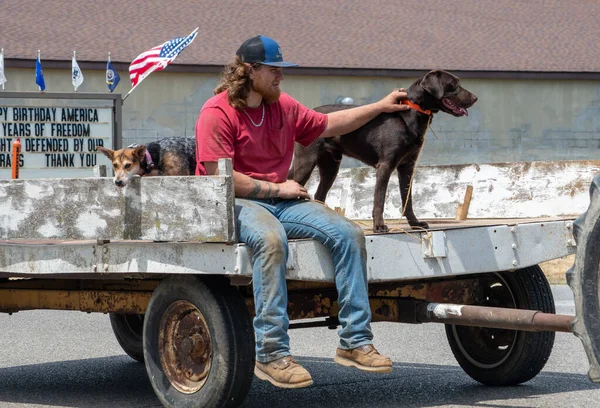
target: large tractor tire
583 280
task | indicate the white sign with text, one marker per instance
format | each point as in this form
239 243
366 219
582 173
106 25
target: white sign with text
55 142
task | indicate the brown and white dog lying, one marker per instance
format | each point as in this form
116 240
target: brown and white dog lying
171 156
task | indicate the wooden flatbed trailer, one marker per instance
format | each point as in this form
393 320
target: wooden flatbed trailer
162 259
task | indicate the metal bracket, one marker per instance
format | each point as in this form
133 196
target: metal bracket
433 245
101 254
570 237
243 255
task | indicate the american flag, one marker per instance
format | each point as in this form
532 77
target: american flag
157 58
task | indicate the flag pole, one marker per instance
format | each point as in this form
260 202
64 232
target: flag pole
75 59
39 87
2 55
153 69
105 77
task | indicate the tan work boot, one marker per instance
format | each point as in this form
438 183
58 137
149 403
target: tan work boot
284 372
366 358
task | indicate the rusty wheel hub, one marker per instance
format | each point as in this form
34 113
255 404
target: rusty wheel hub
185 347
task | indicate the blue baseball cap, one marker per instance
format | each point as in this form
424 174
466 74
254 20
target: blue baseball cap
264 50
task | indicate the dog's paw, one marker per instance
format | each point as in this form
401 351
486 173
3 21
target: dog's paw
418 225
380 228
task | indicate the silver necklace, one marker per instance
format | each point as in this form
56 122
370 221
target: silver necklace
261 119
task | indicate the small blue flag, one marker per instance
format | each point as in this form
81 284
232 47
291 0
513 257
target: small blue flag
112 77
39 75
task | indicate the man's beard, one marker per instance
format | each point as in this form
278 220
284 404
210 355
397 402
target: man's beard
269 94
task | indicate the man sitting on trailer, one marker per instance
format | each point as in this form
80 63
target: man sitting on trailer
255 124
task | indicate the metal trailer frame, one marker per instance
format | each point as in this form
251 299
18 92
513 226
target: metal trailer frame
492 246
187 290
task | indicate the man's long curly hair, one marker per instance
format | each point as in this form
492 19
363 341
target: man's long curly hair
236 81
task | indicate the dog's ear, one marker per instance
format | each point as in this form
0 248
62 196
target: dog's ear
432 84
139 152
107 152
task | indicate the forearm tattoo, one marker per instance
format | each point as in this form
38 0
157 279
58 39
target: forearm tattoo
256 190
272 190
272 193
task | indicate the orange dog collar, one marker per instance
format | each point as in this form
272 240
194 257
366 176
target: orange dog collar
416 107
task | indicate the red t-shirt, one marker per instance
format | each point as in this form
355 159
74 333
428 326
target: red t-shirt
262 152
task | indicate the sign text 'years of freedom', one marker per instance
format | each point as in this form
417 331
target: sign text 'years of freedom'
54 137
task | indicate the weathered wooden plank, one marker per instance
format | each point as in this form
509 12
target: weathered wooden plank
500 190
197 209
463 208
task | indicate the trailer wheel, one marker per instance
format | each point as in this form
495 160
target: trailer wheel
499 356
198 343
128 331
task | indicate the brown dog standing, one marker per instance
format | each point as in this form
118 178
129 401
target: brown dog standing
390 141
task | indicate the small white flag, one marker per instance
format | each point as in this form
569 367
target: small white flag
76 74
2 77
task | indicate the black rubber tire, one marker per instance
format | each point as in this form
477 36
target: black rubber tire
226 315
499 356
583 279
128 331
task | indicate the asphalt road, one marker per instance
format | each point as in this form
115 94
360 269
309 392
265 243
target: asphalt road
71 359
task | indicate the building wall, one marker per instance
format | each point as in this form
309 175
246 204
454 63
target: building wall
514 120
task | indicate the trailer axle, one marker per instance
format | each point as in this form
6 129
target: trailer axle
493 317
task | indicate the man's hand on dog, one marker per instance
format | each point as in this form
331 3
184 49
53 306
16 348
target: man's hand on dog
391 103
291 189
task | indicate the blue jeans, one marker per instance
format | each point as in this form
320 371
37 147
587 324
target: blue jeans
265 225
